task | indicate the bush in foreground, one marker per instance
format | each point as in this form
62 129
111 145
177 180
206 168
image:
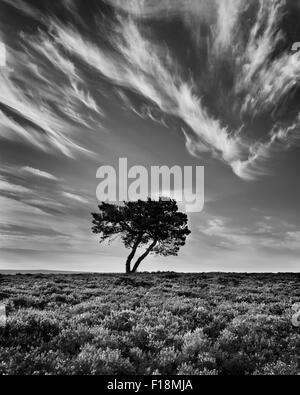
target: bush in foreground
166 323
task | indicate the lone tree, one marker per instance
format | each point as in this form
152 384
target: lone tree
157 226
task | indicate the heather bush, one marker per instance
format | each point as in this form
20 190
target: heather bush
165 323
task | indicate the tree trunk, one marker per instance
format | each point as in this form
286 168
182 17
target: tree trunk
142 257
132 254
128 261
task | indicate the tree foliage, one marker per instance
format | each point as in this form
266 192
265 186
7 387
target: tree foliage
157 226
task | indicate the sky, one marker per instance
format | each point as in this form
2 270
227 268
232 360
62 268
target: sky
211 83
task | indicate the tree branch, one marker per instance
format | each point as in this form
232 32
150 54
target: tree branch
126 226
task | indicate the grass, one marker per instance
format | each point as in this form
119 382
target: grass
164 323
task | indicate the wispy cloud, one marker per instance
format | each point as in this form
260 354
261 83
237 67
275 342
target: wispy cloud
43 127
2 54
45 47
265 74
39 173
267 233
228 13
77 198
43 100
225 235
6 186
243 57
86 99
141 67
24 7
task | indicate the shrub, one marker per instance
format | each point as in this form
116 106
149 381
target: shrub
165 323
92 360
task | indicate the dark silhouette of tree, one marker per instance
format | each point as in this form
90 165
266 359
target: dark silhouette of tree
157 226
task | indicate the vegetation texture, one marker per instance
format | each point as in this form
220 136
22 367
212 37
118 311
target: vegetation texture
165 323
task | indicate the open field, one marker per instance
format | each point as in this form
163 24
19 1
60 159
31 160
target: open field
163 323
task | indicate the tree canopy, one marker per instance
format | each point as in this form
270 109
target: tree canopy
156 225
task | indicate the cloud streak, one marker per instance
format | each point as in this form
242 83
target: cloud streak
39 173
141 69
263 73
77 198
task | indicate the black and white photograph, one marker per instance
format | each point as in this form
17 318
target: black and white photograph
150 190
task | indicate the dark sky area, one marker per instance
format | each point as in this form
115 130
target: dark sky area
210 83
